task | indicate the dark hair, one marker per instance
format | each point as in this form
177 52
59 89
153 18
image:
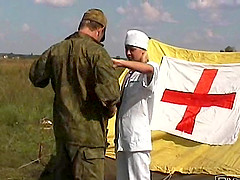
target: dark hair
92 25
131 46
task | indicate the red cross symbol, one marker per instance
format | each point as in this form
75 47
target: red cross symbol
198 99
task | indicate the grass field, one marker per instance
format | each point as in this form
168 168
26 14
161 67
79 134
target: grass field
21 108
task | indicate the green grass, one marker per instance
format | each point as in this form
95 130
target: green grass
21 108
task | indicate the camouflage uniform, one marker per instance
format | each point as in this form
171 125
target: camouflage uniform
86 88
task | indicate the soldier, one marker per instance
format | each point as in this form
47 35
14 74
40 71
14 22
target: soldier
86 91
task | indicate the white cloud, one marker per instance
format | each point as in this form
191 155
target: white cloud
209 33
25 27
145 13
212 10
214 17
204 39
203 4
213 4
121 10
145 16
56 3
151 13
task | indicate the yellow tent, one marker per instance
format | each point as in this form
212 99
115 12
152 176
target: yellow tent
175 154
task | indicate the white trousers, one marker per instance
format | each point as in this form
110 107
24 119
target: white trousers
133 165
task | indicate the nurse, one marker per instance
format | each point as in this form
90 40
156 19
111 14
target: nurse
133 134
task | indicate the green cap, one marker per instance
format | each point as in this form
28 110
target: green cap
95 15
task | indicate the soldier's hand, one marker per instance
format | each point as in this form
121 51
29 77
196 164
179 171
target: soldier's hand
112 111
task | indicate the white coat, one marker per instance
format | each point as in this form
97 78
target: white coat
135 113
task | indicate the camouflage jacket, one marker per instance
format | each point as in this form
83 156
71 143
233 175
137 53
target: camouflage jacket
85 85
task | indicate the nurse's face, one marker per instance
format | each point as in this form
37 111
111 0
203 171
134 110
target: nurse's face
134 53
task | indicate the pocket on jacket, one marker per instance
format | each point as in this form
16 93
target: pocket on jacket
94 153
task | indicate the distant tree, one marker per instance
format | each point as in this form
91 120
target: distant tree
229 49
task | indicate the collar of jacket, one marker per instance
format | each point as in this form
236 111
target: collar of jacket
77 35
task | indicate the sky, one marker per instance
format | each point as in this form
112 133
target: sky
32 26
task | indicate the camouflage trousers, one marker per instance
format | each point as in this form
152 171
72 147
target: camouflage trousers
79 163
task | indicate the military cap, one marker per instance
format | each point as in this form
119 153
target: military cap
95 15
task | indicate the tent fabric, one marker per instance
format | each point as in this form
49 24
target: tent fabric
171 153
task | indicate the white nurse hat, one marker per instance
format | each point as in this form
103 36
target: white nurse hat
137 38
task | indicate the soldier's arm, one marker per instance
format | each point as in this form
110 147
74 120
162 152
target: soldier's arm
107 86
39 71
